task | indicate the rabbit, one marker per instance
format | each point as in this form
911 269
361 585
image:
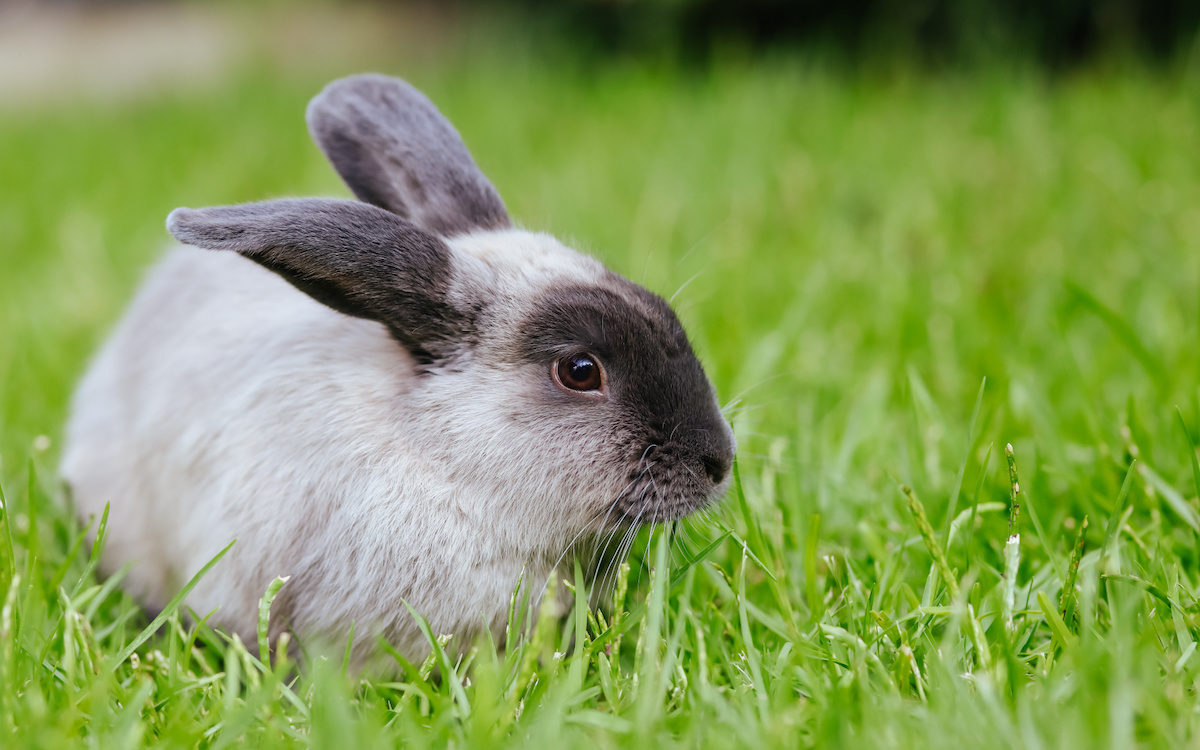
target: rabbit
401 399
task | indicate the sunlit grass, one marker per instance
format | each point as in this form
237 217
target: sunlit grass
853 256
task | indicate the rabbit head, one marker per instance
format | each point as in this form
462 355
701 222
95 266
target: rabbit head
567 395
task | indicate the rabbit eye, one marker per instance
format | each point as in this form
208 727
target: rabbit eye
578 372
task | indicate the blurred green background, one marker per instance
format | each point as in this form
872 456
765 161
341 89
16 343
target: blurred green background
861 211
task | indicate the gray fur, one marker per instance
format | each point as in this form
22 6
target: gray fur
354 257
396 151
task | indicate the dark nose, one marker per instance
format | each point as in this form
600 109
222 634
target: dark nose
716 467
717 455
704 438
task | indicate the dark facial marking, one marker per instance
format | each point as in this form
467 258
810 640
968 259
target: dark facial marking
657 386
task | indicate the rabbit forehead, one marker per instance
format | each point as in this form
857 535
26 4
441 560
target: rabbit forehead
520 261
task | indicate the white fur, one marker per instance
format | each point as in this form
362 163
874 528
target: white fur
227 404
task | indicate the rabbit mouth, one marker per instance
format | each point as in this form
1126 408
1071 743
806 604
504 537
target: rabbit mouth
669 483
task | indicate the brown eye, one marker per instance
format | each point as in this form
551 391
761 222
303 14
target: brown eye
579 372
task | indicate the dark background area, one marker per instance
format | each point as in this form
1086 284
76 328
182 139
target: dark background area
1054 32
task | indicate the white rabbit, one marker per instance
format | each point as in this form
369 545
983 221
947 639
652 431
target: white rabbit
403 399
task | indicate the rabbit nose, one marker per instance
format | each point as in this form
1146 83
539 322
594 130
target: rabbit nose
716 467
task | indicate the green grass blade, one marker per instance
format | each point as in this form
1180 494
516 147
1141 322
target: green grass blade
1062 636
815 602
1067 602
690 560
753 532
162 617
962 467
1191 450
1114 520
110 584
67 562
33 542
935 550
983 470
753 655
10 556
580 657
438 654
264 618
1145 585
1031 510
1175 501
1123 332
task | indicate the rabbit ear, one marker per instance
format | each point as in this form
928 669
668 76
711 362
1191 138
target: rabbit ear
353 257
395 150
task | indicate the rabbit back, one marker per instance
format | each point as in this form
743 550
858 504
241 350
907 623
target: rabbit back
210 415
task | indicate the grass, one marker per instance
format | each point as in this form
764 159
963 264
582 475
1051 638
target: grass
854 254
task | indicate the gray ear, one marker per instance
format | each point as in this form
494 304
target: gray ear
396 151
353 257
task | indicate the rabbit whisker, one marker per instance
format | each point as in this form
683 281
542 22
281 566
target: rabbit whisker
616 560
653 519
696 275
622 551
554 568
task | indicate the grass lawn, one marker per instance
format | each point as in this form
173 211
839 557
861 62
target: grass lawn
853 254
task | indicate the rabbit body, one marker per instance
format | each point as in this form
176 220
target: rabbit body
379 458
